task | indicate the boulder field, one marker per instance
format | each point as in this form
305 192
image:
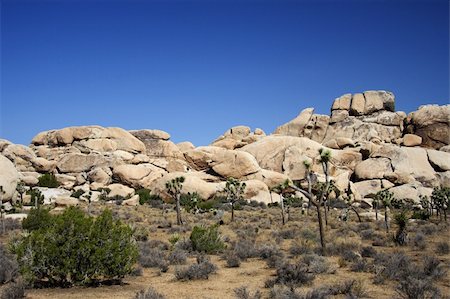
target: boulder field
373 147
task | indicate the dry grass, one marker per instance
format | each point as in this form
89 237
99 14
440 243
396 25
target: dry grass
262 227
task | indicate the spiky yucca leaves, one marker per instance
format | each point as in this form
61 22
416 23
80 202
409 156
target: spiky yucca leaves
386 198
234 190
440 198
174 188
282 189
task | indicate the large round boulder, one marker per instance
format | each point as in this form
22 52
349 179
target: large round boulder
9 178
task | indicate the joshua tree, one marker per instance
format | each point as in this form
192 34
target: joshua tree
386 198
234 190
350 206
401 235
21 190
318 200
174 187
440 197
282 189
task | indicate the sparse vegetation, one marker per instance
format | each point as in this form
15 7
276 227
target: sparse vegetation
48 180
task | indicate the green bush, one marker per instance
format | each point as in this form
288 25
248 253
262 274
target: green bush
146 197
36 197
77 249
207 239
77 193
190 201
37 219
48 180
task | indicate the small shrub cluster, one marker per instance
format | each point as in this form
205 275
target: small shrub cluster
48 180
201 270
292 275
151 256
8 266
232 259
9 225
177 257
207 239
39 218
244 293
77 249
13 290
151 293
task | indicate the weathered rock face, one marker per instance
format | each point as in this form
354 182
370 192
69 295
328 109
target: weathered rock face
226 163
157 144
8 178
285 154
431 122
237 137
370 150
93 138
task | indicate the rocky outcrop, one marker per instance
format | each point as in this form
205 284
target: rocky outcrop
9 178
372 147
431 122
237 137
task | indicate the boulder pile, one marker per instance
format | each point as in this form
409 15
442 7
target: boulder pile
373 147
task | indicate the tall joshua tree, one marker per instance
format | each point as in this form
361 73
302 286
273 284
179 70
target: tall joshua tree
21 190
318 199
174 188
234 190
281 189
386 198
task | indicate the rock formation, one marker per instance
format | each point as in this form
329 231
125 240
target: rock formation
373 148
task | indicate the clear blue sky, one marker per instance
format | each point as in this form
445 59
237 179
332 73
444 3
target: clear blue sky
197 68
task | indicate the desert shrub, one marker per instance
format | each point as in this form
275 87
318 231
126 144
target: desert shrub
283 292
393 266
201 270
152 257
272 254
366 234
232 259
419 241
39 218
421 215
137 271
206 239
287 234
317 264
158 244
292 275
368 251
245 248
9 225
48 180
13 290
428 229
144 195
151 293
77 193
442 248
140 234
413 288
359 265
342 247
184 244
244 293
299 249
77 249
8 266
177 257
432 267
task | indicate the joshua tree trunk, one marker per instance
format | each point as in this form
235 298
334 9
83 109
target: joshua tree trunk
321 229
179 220
282 208
386 221
325 213
356 212
232 211
376 210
